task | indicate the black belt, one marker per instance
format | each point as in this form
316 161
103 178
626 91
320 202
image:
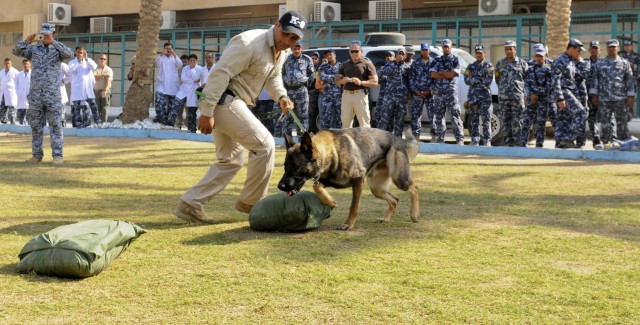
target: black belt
227 92
295 87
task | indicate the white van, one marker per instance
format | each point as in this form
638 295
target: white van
377 55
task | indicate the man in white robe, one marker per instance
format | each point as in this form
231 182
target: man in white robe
82 80
23 82
8 94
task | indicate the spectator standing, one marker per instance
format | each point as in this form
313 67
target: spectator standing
382 82
538 85
331 92
395 100
186 96
23 82
167 82
510 73
634 60
583 70
571 115
8 94
421 84
479 76
594 127
444 73
102 87
65 79
613 91
44 94
297 75
356 76
82 80
209 64
180 114
251 60
314 95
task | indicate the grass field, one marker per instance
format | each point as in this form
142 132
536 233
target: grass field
499 241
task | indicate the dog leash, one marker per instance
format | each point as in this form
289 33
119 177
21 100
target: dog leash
295 119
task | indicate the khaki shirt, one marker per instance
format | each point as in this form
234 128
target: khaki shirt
248 64
101 84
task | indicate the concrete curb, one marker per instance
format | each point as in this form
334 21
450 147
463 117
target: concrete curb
540 153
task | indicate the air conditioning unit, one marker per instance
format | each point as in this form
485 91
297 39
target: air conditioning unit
168 20
282 9
59 14
324 11
101 25
494 7
385 10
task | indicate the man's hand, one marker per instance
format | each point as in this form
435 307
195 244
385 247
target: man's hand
103 94
562 104
285 105
31 38
594 100
630 102
534 98
206 124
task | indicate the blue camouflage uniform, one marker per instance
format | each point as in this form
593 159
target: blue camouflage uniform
592 116
330 98
44 94
571 121
446 97
583 70
297 74
479 76
382 82
538 81
420 80
394 104
510 80
613 82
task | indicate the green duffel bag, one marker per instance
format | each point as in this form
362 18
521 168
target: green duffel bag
300 212
78 250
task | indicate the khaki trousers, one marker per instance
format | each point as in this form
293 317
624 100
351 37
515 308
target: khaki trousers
236 129
355 103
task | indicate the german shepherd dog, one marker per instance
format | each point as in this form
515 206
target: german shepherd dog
343 158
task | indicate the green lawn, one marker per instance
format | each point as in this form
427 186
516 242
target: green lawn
499 241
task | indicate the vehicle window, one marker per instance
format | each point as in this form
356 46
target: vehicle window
377 58
342 55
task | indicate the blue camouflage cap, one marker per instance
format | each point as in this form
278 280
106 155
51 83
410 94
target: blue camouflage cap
595 44
47 28
574 42
627 42
298 43
613 42
316 53
479 48
329 51
402 49
218 55
425 46
390 53
510 43
446 42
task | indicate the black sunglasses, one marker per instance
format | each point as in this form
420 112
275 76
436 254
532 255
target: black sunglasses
354 51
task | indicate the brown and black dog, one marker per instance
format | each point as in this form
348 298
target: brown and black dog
343 158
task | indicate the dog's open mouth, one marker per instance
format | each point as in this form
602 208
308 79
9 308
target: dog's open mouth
295 190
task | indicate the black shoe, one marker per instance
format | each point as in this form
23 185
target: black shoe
158 120
539 145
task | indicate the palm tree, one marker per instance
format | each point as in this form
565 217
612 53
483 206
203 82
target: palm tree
139 95
558 21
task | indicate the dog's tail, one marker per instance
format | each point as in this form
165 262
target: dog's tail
411 144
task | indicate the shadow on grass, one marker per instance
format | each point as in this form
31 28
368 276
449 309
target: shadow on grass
34 228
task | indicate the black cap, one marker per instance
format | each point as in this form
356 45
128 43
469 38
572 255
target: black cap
329 51
479 48
595 44
293 22
574 42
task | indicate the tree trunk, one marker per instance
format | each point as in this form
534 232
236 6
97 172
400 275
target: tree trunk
139 96
558 21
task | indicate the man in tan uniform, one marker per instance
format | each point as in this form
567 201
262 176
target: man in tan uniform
251 59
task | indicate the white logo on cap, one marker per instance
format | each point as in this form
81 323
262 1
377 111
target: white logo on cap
296 22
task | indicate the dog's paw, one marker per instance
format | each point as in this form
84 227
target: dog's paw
344 227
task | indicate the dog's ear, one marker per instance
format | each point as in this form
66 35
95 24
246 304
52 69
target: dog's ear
288 141
306 145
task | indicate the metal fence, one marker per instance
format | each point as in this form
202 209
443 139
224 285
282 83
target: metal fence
465 32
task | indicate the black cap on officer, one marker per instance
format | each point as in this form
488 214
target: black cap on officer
293 22
595 44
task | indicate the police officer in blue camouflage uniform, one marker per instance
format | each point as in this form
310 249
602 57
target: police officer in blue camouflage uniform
395 100
420 84
538 87
613 91
510 72
331 96
571 115
479 76
594 56
634 60
445 71
382 81
314 95
297 75
44 95
583 70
